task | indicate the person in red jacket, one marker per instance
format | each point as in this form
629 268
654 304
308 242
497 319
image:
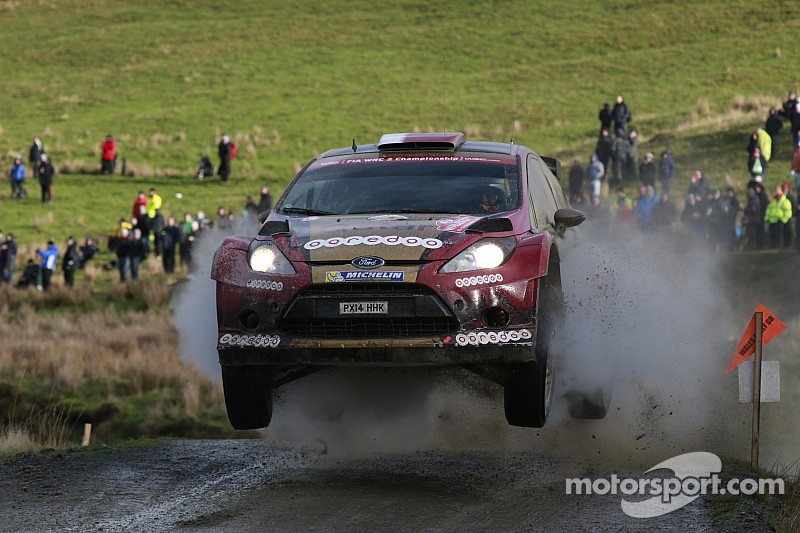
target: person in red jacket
141 200
109 158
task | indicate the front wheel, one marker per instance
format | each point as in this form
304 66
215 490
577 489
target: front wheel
529 386
248 397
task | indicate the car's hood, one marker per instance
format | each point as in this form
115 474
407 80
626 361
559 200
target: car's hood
390 237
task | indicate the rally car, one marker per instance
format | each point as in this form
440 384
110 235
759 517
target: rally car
422 249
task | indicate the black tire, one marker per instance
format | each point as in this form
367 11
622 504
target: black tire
529 387
248 397
589 405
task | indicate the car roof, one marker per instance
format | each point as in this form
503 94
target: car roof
406 143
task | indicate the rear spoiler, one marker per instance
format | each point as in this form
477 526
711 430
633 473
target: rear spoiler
554 165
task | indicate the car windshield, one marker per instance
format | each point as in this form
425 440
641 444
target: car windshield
452 184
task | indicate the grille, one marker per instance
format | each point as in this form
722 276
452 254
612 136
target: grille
362 328
370 289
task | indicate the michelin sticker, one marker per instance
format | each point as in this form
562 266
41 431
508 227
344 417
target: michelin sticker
264 284
478 280
256 341
476 338
372 240
363 275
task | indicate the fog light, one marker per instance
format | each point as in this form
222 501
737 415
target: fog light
496 317
249 319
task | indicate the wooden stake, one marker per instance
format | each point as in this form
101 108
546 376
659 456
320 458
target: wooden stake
87 434
757 391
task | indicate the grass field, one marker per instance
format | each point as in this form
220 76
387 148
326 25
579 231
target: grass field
290 80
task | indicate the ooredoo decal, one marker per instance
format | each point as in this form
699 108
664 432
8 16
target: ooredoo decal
256 341
264 284
478 280
363 275
477 338
457 224
372 240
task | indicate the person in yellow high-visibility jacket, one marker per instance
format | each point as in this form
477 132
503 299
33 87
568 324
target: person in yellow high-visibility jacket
779 213
156 220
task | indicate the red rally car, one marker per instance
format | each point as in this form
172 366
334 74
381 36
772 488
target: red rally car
422 249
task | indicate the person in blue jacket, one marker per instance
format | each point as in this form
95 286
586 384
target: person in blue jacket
17 178
49 258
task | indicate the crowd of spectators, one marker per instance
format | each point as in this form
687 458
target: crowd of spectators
768 217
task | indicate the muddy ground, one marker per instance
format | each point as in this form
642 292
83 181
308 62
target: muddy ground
253 485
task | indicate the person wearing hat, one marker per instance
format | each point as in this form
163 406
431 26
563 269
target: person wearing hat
224 151
70 262
49 258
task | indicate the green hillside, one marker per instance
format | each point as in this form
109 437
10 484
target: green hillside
289 80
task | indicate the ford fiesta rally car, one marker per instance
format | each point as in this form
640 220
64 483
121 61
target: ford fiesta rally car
423 249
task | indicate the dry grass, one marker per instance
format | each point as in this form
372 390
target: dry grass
744 110
15 439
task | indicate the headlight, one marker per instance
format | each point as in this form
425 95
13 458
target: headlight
265 257
484 254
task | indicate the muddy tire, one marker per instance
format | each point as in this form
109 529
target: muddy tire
248 397
529 386
589 405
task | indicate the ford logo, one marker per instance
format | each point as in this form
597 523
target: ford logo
367 262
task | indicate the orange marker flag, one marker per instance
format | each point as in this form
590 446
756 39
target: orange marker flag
770 329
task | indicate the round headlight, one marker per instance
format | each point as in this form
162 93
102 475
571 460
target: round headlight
488 256
262 258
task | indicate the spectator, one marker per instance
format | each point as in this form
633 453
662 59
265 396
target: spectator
577 179
795 169
619 157
8 257
170 238
31 275
137 251
604 151
717 221
757 163
265 200
595 171
17 178
698 185
87 252
779 212
154 203
251 209
223 221
763 200
693 217
631 170
621 115
791 113
45 173
731 208
123 251
143 222
48 264
648 171
187 238
141 201
664 214
752 223
35 153
70 262
224 151
187 246
108 160
773 127
666 171
624 210
605 117
764 143
644 208
788 227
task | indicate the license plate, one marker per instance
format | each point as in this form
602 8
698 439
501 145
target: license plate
363 308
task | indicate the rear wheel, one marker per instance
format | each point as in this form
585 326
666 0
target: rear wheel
529 387
248 396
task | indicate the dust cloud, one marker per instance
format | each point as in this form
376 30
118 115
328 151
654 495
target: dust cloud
645 314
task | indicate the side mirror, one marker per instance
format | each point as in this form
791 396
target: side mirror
567 218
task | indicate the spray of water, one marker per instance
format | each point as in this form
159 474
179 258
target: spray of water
645 314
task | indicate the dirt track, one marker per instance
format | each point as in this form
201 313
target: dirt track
255 486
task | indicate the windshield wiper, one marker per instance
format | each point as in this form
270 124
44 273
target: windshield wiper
405 210
305 211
